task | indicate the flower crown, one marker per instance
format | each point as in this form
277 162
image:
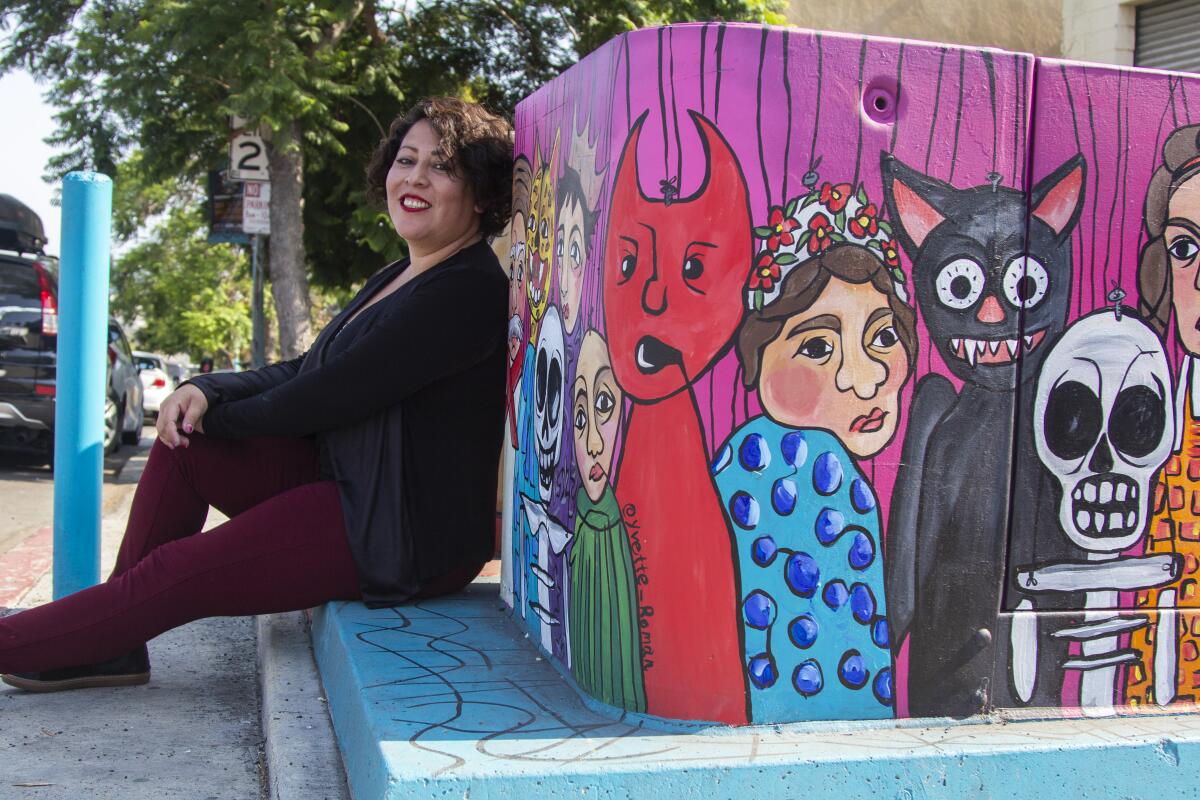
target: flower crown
808 226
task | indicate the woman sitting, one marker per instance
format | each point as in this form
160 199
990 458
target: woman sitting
363 470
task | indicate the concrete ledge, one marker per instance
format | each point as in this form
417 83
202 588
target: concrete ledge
447 699
300 749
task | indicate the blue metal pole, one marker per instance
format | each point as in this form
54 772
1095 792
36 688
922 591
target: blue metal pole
81 378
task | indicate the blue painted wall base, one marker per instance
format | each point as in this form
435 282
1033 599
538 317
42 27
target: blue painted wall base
449 699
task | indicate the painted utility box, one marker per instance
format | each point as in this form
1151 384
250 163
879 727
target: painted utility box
850 379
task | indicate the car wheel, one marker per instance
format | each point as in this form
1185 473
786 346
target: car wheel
134 436
113 414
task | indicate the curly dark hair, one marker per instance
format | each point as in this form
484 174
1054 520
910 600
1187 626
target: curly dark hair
477 143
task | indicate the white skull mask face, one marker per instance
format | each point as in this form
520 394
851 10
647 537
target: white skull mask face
1104 422
548 400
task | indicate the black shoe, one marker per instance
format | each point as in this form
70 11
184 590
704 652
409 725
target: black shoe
131 669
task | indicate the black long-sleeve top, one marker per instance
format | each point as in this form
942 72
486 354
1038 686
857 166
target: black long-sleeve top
407 404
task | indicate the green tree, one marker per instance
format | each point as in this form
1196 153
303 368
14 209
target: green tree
181 293
319 80
485 50
164 77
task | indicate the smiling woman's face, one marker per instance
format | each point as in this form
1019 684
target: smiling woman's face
430 206
838 365
1182 238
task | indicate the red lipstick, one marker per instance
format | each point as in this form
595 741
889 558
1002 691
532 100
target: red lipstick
413 203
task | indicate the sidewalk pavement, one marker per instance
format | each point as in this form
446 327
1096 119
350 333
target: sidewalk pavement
234 709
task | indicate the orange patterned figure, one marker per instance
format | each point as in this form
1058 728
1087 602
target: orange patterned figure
1174 528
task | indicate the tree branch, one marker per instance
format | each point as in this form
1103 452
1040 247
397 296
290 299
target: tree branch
571 28
334 33
511 21
370 113
377 36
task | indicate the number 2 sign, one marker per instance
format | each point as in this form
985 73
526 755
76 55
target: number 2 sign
248 158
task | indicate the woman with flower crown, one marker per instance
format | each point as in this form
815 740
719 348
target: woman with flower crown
829 343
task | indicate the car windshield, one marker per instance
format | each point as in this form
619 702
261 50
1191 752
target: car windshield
145 362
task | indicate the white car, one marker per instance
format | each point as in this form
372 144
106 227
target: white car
155 380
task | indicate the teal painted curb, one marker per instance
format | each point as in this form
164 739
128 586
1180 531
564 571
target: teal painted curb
448 699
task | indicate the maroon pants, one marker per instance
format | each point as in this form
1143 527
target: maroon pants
283 548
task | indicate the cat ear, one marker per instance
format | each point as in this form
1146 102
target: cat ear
1057 200
914 201
724 172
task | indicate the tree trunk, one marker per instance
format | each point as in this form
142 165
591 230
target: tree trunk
289 277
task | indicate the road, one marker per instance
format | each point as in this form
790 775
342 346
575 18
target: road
27 491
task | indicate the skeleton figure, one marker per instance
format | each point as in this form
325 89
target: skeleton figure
1103 421
550 535
548 400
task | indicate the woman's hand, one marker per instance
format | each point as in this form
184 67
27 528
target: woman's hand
183 410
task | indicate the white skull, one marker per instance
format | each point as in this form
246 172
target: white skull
1104 423
548 399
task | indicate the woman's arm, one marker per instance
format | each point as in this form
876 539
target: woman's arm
184 408
446 325
225 387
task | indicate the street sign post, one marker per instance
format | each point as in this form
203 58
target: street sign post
248 163
258 320
256 221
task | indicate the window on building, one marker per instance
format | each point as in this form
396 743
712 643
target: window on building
1167 32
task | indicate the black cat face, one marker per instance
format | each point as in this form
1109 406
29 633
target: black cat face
991 301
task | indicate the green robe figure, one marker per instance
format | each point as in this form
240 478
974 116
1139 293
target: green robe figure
602 608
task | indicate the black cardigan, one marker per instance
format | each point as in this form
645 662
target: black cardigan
407 404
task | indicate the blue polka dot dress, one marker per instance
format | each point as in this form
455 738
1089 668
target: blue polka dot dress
806 528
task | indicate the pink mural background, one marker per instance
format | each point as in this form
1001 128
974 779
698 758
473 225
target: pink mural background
791 101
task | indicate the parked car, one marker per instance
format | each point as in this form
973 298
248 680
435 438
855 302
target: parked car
178 372
28 329
156 380
124 410
29 340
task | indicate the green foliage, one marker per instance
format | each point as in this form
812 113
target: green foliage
347 239
138 198
145 90
165 76
489 51
594 22
181 294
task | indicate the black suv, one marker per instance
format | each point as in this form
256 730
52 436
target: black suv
28 341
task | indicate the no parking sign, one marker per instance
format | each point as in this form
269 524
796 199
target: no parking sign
256 207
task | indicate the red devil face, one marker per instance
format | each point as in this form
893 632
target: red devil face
674 270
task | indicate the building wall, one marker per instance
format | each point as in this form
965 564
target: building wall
1098 30
1033 26
1085 30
